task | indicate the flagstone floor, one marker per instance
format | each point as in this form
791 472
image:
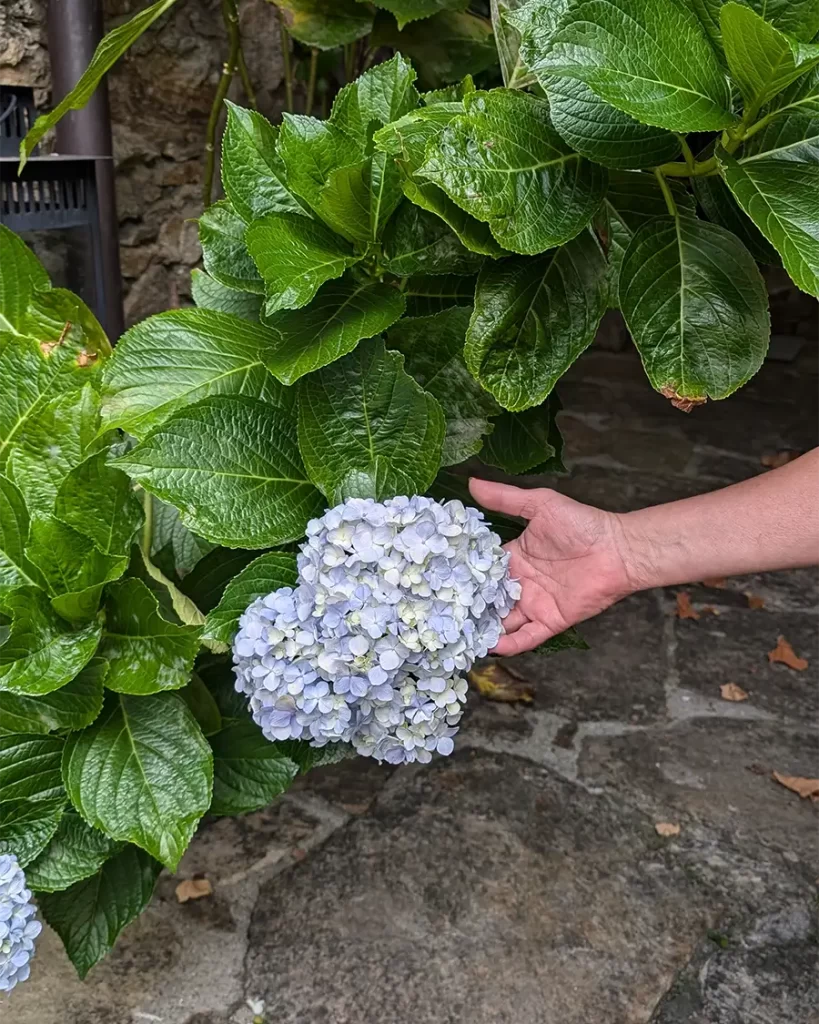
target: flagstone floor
523 880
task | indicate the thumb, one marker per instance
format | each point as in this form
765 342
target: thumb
512 501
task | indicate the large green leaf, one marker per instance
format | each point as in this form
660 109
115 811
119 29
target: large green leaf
145 653
406 11
56 314
75 852
142 772
649 58
295 256
801 98
90 914
172 543
15 568
248 770
516 75
418 242
253 173
800 18
224 250
325 24
443 48
110 49
177 358
719 205
780 198
763 60
522 441
697 308
533 318
74 706
264 575
232 467
367 429
99 502
207 583
21 274
30 767
432 347
341 315
202 705
208 293
427 295
42 652
407 137
26 826
378 97
504 163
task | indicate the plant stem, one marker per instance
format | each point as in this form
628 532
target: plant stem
231 19
666 191
349 57
148 524
690 162
311 82
284 36
675 169
247 85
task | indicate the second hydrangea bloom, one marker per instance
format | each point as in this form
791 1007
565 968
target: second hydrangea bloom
395 600
18 925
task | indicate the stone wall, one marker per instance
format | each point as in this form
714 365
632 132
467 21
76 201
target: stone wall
161 94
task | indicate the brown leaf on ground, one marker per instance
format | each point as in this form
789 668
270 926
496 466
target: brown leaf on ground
494 682
773 460
732 692
804 787
785 654
717 582
666 828
85 358
754 600
193 889
685 610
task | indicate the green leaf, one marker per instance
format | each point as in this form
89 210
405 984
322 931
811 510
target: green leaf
798 17
42 653
75 852
202 705
142 772
426 296
145 653
21 274
554 464
325 24
107 53
780 198
232 467
504 163
57 313
418 242
407 137
507 39
172 543
176 359
264 575
449 93
90 914
224 250
406 11
73 568
380 96
432 347
719 206
295 256
253 173
248 770
443 48
74 706
649 58
367 429
99 502
341 315
26 826
15 568
763 61
521 441
569 640
697 309
30 767
206 583
209 294
344 201
533 318
449 486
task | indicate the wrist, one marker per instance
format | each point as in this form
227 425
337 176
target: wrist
636 552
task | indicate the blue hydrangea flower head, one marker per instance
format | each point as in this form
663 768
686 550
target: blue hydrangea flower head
18 926
395 600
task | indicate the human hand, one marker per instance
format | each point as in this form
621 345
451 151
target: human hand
569 561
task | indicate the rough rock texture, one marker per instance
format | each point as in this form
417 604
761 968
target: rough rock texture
523 879
161 94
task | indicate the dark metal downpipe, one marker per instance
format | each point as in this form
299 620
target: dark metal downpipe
74 29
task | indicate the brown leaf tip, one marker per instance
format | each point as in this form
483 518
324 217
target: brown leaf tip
86 358
683 404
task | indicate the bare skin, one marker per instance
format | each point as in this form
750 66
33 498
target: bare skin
574 560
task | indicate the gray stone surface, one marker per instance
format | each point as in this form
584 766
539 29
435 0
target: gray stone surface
523 879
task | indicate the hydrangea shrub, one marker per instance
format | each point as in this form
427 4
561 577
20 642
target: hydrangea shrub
387 294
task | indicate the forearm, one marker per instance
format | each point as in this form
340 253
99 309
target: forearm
766 523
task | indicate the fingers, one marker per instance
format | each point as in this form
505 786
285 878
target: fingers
514 620
513 501
526 638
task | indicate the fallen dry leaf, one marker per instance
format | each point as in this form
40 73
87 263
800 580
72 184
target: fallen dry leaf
665 828
193 889
685 610
494 682
730 691
781 458
754 600
717 582
804 787
785 654
85 358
